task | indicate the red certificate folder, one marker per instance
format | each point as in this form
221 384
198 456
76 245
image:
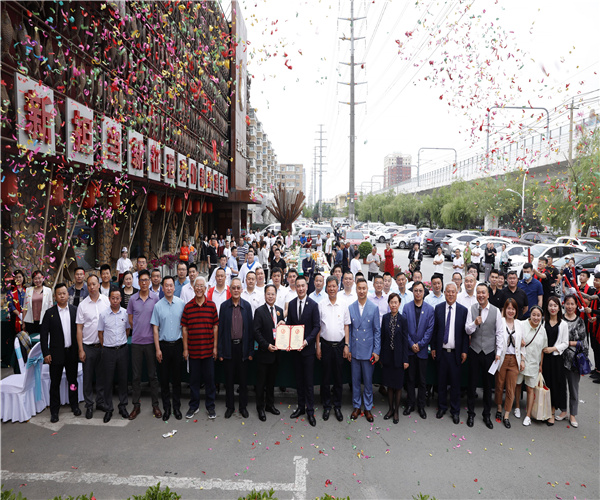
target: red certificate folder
289 338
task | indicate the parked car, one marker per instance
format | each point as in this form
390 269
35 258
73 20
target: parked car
474 232
383 234
354 237
314 232
504 233
452 241
546 250
584 244
531 238
434 240
402 239
517 255
583 260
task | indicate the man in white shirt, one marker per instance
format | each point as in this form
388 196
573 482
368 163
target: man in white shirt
329 248
141 264
291 290
227 250
124 264
389 285
254 297
220 292
333 347
276 277
458 263
379 298
435 297
319 294
476 254
373 260
251 264
355 265
406 296
90 348
438 263
187 290
347 296
228 272
468 297
107 285
260 280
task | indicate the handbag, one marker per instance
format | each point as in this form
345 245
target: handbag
542 406
581 361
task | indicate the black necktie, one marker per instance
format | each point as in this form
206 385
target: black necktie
447 329
273 316
300 310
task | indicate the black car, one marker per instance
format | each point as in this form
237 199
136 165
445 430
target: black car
434 240
533 237
583 260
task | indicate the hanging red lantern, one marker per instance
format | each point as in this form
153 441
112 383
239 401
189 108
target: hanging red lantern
196 207
166 203
204 208
152 202
209 209
90 195
57 192
10 188
178 205
114 199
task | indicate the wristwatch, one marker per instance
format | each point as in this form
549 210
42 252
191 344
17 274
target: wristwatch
346 345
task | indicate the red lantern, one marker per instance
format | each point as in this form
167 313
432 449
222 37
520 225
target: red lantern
90 195
152 203
196 206
209 209
57 193
166 203
10 188
114 199
178 205
204 208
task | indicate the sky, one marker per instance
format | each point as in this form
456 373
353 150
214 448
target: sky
432 69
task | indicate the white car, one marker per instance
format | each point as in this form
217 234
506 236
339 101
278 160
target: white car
517 254
584 244
402 239
545 250
453 241
382 234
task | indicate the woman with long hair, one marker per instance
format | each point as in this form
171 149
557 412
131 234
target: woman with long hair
128 289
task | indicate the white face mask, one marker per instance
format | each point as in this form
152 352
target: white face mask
526 276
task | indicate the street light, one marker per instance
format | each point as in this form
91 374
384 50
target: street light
522 195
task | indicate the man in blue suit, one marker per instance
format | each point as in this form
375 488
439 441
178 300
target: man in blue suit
449 348
419 318
305 311
365 346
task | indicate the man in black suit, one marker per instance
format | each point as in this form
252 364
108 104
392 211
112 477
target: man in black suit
266 319
58 336
449 348
304 311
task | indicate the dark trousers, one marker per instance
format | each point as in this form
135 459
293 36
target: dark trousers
170 369
265 379
138 353
372 275
479 364
448 373
70 365
332 358
417 370
266 270
236 365
91 367
202 370
118 359
304 368
596 349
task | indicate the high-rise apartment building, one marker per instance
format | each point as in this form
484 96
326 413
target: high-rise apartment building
292 176
396 169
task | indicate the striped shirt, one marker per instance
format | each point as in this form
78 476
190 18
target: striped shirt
200 321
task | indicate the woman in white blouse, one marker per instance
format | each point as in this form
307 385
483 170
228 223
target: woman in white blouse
38 299
511 356
557 332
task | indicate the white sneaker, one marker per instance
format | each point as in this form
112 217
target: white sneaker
526 421
517 412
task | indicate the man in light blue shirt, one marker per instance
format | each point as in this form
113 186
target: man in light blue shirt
181 278
319 294
436 296
166 325
406 296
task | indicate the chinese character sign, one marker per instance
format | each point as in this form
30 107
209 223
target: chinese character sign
201 177
111 144
79 123
169 166
154 156
193 178
135 153
182 170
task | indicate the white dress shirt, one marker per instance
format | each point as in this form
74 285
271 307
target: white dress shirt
347 299
114 327
255 298
355 266
451 344
65 321
464 299
281 299
219 297
333 319
88 313
470 327
213 279
187 292
438 264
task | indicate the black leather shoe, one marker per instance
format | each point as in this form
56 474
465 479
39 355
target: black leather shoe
311 419
488 422
76 411
89 413
389 414
470 420
124 413
228 413
54 418
166 414
338 414
273 410
506 423
422 413
456 419
107 417
261 414
177 414
244 412
297 412
408 410
440 413
326 414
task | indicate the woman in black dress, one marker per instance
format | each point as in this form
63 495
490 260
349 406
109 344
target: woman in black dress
394 354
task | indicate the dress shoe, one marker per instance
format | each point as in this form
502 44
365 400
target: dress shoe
396 419
355 414
311 419
244 412
549 424
261 414
76 411
124 413
326 414
338 414
389 414
135 412
440 413
89 413
408 410
228 412
574 423
157 412
54 418
488 422
507 423
456 419
560 417
596 381
422 413
368 415
470 420
273 410
107 417
177 414
166 415
595 374
297 412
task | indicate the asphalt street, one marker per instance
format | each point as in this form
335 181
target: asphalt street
228 458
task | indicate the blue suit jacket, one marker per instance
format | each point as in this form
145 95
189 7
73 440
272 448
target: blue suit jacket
365 331
421 335
461 339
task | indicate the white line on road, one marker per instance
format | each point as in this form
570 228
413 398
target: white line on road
298 487
71 419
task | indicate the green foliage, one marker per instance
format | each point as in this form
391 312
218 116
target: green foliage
155 493
329 497
78 497
9 495
260 495
421 496
365 249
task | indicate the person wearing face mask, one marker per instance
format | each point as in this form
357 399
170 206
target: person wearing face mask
532 288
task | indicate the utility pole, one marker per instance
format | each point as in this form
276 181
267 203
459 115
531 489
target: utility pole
313 188
320 147
352 103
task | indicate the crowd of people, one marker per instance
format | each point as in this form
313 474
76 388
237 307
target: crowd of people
226 301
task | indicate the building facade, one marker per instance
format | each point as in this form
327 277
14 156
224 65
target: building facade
396 168
292 176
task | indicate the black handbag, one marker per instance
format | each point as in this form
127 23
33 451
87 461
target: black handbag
581 361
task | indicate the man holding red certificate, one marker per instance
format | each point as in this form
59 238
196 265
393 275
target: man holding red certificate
304 311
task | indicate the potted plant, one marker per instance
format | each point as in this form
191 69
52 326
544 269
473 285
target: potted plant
365 249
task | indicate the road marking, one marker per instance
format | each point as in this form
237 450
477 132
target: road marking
298 487
71 419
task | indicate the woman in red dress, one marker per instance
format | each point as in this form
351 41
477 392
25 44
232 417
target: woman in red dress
389 259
